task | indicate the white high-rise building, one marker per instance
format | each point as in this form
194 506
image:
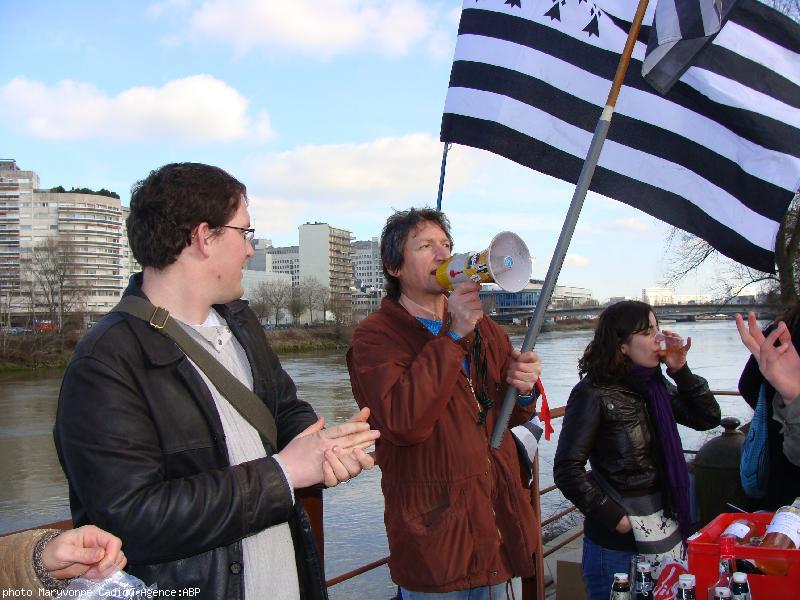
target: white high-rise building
286 260
325 256
89 230
657 296
367 264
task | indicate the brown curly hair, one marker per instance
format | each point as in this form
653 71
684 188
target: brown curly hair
173 200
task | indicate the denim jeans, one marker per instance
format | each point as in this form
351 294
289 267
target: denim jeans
599 566
494 592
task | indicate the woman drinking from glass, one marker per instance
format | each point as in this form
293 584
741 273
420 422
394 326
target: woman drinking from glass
622 417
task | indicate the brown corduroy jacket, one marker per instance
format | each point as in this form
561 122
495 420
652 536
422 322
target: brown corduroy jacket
456 511
16 562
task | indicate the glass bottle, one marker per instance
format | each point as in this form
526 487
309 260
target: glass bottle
643 586
621 588
686 587
740 588
742 529
782 532
726 561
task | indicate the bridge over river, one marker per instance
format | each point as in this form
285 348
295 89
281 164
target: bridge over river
678 312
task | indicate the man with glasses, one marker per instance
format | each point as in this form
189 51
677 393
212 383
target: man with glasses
154 451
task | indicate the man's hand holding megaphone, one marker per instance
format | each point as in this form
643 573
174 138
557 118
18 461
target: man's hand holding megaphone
465 308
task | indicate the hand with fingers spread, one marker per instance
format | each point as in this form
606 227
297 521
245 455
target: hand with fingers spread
305 456
465 308
87 551
523 371
676 350
780 364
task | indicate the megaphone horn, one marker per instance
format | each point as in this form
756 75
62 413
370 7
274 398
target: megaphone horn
506 262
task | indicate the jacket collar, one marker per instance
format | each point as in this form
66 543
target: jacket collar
159 349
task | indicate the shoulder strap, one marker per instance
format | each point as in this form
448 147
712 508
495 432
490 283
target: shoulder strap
250 406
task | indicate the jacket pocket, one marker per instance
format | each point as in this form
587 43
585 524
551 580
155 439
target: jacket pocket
432 542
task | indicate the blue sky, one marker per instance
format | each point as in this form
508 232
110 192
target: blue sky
327 111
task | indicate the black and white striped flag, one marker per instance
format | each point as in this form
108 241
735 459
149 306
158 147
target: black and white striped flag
680 30
718 156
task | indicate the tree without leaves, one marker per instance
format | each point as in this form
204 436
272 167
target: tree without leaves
314 294
688 252
791 8
276 295
297 304
52 280
342 308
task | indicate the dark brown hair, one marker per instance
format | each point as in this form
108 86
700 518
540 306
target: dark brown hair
394 238
603 359
173 200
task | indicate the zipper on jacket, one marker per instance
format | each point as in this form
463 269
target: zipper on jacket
474 395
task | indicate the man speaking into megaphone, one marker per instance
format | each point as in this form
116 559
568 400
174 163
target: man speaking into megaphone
433 372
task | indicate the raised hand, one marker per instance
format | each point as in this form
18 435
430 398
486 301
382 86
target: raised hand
675 356
780 365
465 308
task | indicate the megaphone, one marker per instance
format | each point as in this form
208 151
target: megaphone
506 262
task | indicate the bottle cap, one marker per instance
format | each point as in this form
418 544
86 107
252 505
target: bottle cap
722 592
643 566
739 577
621 576
686 580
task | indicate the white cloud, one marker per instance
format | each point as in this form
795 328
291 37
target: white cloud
632 224
576 260
156 9
384 171
323 29
355 186
274 216
196 109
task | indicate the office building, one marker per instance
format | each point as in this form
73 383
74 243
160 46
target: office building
286 260
367 264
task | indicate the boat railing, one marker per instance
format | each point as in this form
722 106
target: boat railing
533 587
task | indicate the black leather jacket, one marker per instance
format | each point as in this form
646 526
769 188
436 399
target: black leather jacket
610 426
142 445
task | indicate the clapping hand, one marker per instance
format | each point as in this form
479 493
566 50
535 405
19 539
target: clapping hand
329 456
87 551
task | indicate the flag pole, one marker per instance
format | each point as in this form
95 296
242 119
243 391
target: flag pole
568 228
441 176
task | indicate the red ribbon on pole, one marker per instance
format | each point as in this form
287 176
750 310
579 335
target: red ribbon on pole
545 412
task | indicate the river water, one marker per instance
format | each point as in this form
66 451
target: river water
34 490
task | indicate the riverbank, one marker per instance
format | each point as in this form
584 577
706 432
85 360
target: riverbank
32 352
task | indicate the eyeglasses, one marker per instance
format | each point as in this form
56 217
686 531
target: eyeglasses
247 234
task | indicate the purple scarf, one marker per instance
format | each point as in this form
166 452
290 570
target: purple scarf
676 491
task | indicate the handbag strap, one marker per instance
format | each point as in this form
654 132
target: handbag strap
250 406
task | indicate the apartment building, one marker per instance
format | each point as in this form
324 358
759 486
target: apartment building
87 229
325 255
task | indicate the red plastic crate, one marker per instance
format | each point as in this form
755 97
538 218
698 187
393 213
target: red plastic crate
704 559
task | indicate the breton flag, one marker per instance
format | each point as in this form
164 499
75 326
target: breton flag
681 29
718 156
